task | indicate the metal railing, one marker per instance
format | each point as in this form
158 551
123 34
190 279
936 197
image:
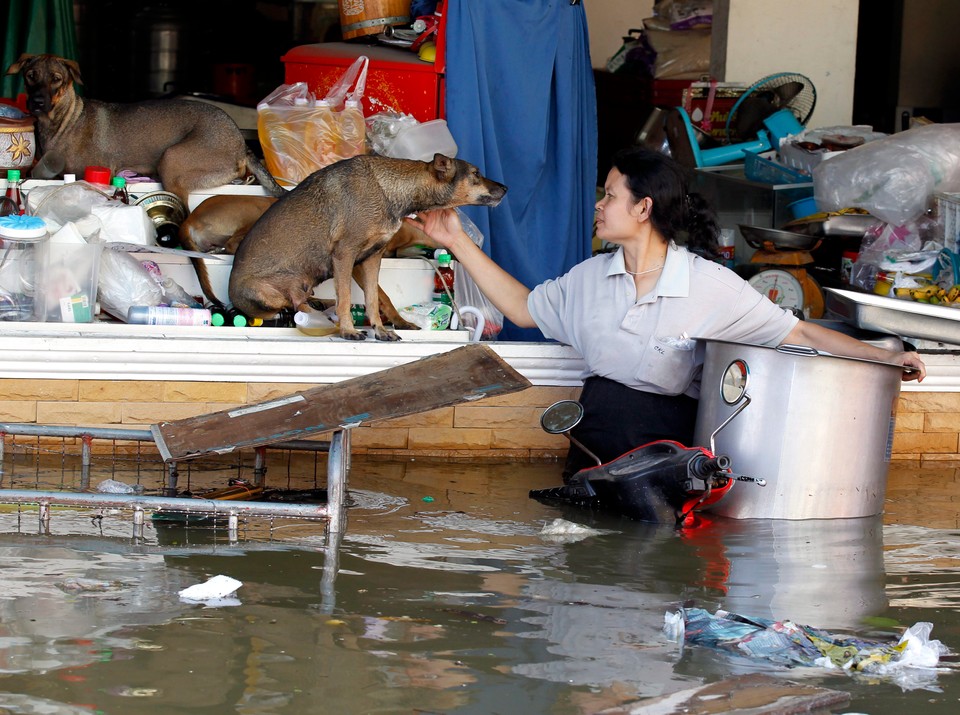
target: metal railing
338 468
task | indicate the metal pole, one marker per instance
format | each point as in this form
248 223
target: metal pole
45 518
157 503
85 460
172 476
259 465
137 522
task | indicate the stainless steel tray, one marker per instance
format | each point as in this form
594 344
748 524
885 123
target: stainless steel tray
897 317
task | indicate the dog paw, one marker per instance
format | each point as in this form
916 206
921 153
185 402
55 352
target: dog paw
353 335
387 335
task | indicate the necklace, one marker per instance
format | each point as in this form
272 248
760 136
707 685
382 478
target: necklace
641 273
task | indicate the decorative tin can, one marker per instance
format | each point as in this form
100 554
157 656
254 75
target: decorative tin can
18 145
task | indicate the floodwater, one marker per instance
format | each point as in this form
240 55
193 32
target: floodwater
449 599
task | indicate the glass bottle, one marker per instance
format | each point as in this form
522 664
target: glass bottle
120 189
13 190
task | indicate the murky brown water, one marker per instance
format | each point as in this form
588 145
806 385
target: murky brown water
449 600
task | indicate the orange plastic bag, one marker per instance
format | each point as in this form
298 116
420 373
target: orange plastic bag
300 134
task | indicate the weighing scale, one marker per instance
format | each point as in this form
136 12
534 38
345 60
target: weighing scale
783 278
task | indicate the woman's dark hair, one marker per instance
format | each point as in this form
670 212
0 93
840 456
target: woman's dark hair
677 214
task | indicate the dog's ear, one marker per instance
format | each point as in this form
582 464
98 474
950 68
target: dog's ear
18 64
443 167
74 71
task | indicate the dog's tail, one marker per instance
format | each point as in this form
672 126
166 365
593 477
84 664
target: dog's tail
203 277
269 184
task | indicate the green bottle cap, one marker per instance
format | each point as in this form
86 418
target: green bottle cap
118 181
443 259
13 174
239 321
216 318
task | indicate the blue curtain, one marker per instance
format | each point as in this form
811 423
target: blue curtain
521 104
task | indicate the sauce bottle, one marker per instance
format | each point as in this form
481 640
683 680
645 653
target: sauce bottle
13 191
120 189
443 279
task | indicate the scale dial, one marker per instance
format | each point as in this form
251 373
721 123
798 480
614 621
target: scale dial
782 288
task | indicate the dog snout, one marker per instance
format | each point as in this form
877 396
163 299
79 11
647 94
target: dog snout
495 195
38 103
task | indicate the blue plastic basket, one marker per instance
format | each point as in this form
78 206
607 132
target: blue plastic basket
758 168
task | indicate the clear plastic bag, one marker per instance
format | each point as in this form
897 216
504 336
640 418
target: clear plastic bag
300 134
468 294
894 178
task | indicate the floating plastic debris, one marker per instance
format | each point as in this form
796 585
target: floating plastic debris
213 592
791 644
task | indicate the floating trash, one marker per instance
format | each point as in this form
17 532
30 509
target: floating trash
791 644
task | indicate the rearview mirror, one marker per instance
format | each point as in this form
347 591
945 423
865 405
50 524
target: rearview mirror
561 416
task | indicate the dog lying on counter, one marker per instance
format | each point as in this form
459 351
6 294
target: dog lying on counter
189 145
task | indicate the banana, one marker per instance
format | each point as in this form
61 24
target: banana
954 293
926 292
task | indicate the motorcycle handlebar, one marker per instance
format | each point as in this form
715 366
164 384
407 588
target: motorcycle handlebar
707 466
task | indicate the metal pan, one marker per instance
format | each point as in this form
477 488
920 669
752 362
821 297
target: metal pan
766 238
843 225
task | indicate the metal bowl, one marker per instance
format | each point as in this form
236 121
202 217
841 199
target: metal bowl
771 238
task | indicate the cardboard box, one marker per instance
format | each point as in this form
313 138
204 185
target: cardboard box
694 98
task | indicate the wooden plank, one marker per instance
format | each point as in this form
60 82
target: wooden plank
460 375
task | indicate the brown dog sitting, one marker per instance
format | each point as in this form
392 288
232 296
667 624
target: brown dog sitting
189 145
219 224
344 216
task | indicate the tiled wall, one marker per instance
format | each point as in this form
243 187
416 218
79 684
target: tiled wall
928 423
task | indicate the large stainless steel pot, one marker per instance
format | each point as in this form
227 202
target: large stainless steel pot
818 428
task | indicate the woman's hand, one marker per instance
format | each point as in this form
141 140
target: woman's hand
912 360
442 225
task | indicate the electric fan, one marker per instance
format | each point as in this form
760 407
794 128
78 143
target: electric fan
770 110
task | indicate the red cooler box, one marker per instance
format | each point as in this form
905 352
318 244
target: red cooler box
396 79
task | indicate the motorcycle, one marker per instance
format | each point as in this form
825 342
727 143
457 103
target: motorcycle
662 481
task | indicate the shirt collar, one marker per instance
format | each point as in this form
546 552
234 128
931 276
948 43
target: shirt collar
675 278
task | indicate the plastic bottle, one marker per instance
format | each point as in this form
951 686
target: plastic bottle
311 320
232 318
174 294
443 279
161 315
120 189
235 318
13 189
727 248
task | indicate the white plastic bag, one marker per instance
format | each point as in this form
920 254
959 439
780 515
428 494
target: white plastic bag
92 211
894 178
124 282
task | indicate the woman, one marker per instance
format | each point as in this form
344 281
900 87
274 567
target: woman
633 314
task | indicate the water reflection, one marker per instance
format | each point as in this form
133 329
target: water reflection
447 599
826 573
